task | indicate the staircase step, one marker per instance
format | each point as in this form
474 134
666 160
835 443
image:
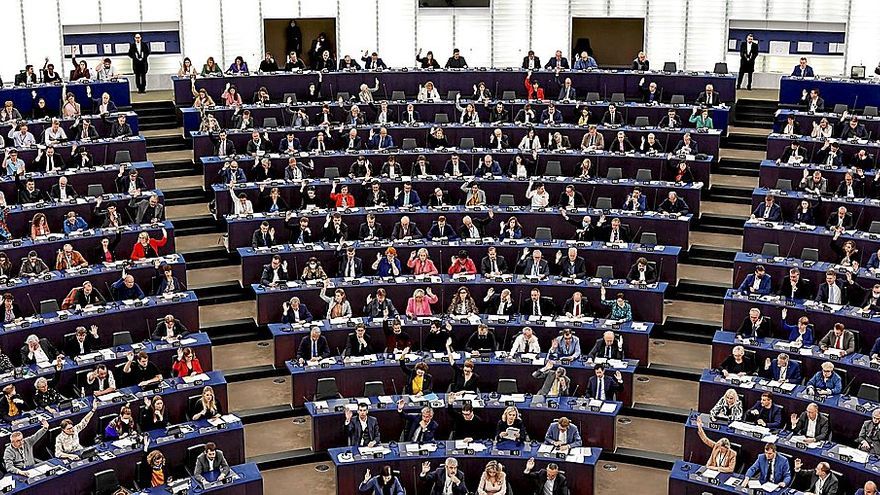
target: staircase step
232 331
730 196
641 458
689 329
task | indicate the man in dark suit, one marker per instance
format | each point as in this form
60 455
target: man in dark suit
829 154
536 305
768 210
358 343
534 265
571 265
839 338
547 481
349 264
56 191
614 232
313 348
608 347
83 342
811 424
748 52
840 220
820 481
372 61
405 229
757 283
795 287
448 471
577 306
493 263
869 435
37 350
371 229
754 325
474 228
362 431
264 236
169 329
612 116
783 369
571 198
420 427
603 386
765 412
642 272
138 52
833 291
531 62
274 272
709 97
410 116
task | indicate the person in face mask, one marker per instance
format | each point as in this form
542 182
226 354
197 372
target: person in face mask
872 300
313 270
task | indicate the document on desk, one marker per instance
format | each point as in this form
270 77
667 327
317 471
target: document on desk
418 447
386 399
513 398
578 454
710 474
188 341
109 397
7 483
546 448
608 407
194 378
857 455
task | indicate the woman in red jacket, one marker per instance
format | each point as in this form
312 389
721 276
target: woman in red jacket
186 363
147 247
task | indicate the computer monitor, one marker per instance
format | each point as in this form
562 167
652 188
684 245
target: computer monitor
857 72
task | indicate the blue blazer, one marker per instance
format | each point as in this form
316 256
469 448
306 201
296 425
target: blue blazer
304 315
643 204
834 384
875 349
573 435
763 288
414 199
873 261
388 142
373 486
792 375
447 232
412 422
781 471
792 330
775 212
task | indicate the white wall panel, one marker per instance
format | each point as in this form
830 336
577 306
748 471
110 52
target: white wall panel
434 30
318 8
590 8
397 32
12 40
833 10
706 35
78 11
161 10
120 11
665 27
43 34
863 44
280 9
473 36
551 29
241 32
357 26
747 9
628 8
788 10
201 31
510 42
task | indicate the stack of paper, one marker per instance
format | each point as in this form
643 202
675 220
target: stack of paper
193 378
857 455
513 398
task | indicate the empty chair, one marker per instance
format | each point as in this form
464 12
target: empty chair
50 445
677 100
604 272
870 111
331 172
740 459
543 234
122 338
783 184
720 68
408 144
642 121
106 482
869 392
508 95
614 173
122 156
618 97
441 118
292 97
644 174
553 168
840 107
192 452
507 386
810 254
670 67
374 389
844 378
398 95
48 306
506 200
466 143
874 228
648 238
603 203
95 190
593 96
344 95
327 389
770 250
270 122
451 94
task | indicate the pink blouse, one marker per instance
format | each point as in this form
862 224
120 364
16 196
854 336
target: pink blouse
422 268
415 308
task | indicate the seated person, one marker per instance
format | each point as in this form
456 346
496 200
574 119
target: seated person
737 363
67 443
83 342
757 283
211 460
62 191
826 381
783 369
642 272
418 428
141 371
566 346
603 386
608 347
88 295
122 426
563 435
729 407
169 329
294 311
765 412
723 457
769 467
12 405
18 456
754 326
673 204
812 425
126 288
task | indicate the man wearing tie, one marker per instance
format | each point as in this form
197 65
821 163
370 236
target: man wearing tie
313 348
708 98
493 264
536 305
783 369
832 291
138 53
839 338
754 326
263 236
770 467
295 312
748 52
418 428
350 266
571 265
577 306
608 347
820 481
274 272
362 431
534 266
602 386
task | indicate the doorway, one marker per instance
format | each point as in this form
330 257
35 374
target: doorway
612 41
280 38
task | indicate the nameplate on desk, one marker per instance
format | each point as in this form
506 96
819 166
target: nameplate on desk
469 452
860 408
594 408
874 365
790 303
714 426
339 408
834 357
509 403
325 365
845 458
819 398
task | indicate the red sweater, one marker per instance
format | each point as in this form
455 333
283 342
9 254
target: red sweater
138 253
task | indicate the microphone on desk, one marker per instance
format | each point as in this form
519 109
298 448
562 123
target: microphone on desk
790 247
34 306
497 96
574 392
394 386
506 334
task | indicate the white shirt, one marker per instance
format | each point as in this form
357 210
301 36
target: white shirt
563 436
834 294
40 356
811 427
